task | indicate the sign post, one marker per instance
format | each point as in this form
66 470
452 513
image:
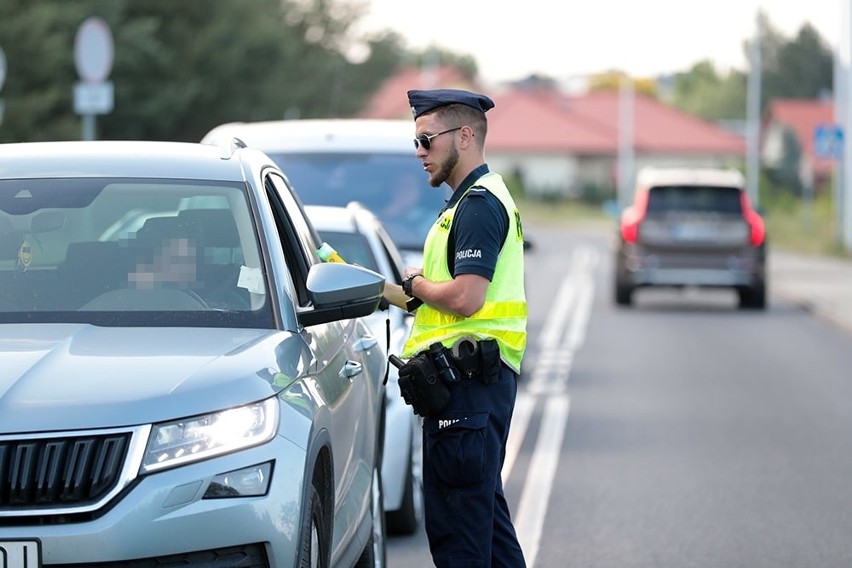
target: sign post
2 80
93 56
828 145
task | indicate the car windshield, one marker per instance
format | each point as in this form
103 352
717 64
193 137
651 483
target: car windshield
391 185
700 199
129 252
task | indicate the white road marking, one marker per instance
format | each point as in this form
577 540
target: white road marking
529 521
524 406
552 331
580 321
571 309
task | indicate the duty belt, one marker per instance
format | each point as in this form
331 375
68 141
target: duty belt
467 359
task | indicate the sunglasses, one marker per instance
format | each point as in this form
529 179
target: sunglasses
425 140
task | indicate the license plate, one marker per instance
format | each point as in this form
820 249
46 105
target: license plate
695 232
20 554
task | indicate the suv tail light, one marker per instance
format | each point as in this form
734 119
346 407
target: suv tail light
632 217
754 220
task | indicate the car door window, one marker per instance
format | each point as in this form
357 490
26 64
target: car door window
298 239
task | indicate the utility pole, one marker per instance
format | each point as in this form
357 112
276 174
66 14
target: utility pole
845 201
2 80
840 112
753 118
626 145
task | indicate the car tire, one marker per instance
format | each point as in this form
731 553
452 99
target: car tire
313 550
623 290
753 298
623 294
375 553
407 519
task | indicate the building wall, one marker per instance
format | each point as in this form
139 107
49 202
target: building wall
568 176
542 175
772 149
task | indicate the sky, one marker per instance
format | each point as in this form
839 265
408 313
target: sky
569 39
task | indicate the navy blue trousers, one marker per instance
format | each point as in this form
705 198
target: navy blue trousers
467 519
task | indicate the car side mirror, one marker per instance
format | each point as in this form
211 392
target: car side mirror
341 291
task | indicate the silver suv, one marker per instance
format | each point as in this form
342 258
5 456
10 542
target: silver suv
183 381
691 227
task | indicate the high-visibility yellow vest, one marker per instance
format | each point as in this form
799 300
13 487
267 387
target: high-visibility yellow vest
503 316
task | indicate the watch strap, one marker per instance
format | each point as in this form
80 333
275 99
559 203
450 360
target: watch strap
407 282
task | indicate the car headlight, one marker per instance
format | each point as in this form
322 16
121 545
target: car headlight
200 437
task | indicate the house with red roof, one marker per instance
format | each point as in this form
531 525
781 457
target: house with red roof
788 134
390 100
563 145
567 144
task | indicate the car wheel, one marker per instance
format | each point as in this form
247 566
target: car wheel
374 555
753 298
623 294
406 519
313 546
623 290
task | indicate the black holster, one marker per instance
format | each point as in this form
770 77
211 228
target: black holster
421 386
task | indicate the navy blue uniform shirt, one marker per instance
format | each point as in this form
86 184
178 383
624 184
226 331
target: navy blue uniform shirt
479 229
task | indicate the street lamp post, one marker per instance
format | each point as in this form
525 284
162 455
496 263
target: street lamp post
844 202
2 80
626 143
753 119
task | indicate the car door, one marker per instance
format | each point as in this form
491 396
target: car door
347 374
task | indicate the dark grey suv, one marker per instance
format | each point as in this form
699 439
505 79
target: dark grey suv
692 227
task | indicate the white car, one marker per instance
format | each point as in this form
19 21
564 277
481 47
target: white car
335 161
359 238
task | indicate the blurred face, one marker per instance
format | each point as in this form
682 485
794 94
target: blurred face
175 263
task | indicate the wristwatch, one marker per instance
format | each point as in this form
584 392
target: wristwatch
406 284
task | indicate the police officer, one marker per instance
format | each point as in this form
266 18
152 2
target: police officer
474 311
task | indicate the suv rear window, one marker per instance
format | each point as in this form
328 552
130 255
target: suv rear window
694 198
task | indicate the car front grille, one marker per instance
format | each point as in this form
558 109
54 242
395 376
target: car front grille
48 473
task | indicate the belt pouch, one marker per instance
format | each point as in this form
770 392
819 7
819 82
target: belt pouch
490 354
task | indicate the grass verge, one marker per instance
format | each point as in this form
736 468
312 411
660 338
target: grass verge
804 227
537 212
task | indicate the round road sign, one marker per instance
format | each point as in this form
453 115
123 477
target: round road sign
93 50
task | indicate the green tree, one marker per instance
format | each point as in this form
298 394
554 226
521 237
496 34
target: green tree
434 55
612 81
182 67
797 68
704 92
37 39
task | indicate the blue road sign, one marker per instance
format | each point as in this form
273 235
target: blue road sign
828 141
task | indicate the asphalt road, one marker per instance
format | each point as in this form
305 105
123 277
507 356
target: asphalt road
681 432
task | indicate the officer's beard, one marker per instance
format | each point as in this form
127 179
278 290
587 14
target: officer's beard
447 167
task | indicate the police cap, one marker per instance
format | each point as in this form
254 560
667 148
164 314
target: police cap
426 101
